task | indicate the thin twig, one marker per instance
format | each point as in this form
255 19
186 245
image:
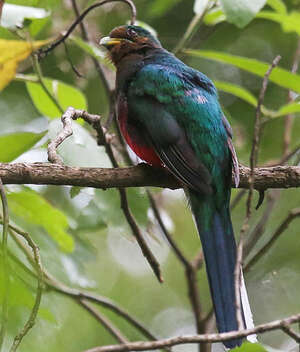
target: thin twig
5 270
191 269
288 121
292 333
287 157
69 115
116 333
191 276
179 340
81 17
209 320
190 31
102 301
38 71
256 134
198 260
85 37
293 214
83 30
94 120
237 282
154 264
139 237
66 132
78 74
54 284
38 267
253 162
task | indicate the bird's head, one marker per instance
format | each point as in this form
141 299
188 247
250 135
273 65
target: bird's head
126 40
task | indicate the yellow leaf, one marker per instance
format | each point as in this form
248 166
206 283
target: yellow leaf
11 53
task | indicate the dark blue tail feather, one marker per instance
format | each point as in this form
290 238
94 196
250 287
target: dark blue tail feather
219 250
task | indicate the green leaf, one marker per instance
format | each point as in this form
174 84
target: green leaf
250 347
46 314
236 90
277 5
65 94
21 296
23 2
14 144
279 75
248 97
33 208
139 204
289 109
289 22
36 25
5 33
214 16
18 112
241 12
94 51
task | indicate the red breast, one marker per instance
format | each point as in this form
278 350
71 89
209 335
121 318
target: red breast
133 138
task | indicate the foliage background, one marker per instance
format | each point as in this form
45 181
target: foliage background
83 237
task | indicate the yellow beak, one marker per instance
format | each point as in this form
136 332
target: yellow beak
108 41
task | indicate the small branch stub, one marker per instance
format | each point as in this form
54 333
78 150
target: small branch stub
69 115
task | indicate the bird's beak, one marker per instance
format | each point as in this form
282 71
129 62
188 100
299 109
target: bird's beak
109 42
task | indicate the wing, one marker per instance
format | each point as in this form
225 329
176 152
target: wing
168 139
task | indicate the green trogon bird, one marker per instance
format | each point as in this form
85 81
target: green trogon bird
170 117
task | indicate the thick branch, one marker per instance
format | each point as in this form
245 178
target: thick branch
135 176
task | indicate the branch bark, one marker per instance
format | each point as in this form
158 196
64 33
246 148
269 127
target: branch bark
135 176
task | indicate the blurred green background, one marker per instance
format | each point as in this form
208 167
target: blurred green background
83 237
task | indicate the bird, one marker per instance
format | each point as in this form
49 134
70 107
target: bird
170 116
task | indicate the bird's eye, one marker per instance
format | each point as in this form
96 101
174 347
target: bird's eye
131 33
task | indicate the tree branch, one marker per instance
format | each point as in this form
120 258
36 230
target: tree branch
153 345
135 176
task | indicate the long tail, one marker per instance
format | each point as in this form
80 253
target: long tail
219 248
